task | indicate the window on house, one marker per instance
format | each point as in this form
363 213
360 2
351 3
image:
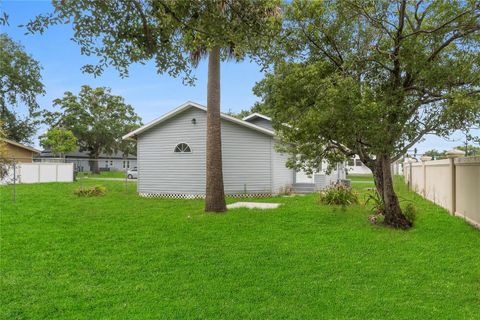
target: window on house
128 164
359 163
111 162
351 162
182 147
123 164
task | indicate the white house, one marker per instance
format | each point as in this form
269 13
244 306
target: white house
355 166
171 154
81 160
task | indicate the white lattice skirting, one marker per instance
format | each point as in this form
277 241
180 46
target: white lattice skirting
200 196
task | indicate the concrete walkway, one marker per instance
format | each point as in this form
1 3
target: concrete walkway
254 205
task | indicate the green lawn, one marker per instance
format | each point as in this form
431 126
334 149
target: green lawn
104 174
125 257
361 179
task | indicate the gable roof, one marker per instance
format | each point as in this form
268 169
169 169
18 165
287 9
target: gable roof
256 115
14 143
187 105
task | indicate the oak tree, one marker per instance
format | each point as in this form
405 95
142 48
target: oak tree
97 119
372 78
20 84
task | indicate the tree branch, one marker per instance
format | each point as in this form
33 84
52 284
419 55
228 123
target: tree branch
447 42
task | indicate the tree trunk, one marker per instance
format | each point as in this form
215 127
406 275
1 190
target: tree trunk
93 162
94 166
215 194
393 213
377 171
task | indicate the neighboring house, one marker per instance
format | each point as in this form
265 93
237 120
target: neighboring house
171 156
81 160
355 166
20 152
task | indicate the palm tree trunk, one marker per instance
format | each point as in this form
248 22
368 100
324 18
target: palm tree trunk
215 194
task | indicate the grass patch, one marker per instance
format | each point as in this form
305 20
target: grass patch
122 256
361 179
104 174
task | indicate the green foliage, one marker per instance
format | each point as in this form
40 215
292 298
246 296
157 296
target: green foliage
94 191
59 140
469 150
97 118
435 154
20 84
373 199
368 78
174 33
257 108
372 78
338 194
4 159
410 212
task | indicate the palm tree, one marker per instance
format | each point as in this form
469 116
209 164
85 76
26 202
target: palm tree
215 194
214 189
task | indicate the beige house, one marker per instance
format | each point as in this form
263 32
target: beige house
20 152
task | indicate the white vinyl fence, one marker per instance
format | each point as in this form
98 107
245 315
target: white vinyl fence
39 173
452 183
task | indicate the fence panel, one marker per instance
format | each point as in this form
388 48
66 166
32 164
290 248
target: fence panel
437 183
467 180
453 184
44 172
417 177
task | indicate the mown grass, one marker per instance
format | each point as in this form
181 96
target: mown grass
103 174
121 256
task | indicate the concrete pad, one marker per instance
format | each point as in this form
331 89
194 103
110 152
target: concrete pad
253 205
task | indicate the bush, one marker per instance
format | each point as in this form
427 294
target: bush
94 191
378 208
285 190
410 212
373 198
338 194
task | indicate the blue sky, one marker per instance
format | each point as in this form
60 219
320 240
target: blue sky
150 94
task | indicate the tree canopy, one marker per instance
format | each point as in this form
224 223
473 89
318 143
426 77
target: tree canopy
59 141
171 32
97 118
372 78
20 84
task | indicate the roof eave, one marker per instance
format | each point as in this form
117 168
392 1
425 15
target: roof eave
132 135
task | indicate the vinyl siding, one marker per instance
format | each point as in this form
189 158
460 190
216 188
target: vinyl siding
264 123
246 157
282 176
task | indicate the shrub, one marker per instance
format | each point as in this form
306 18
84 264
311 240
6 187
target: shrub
285 190
338 194
94 191
378 208
410 212
373 198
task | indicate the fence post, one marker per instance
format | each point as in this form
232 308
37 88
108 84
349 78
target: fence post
410 161
424 167
14 180
451 155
